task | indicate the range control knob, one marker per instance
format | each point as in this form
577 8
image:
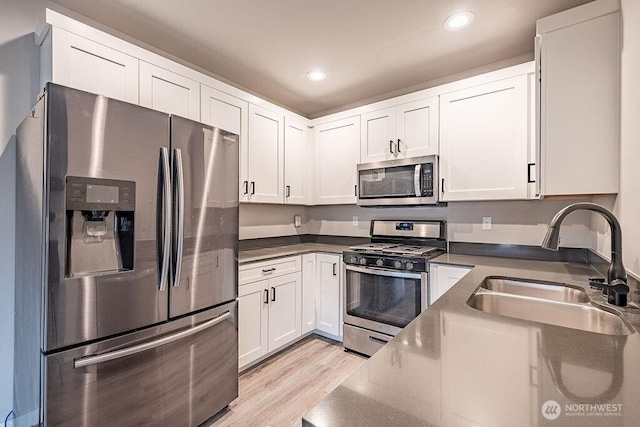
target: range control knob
409 265
353 259
379 262
363 260
397 264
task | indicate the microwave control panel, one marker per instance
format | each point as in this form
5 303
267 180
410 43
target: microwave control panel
427 180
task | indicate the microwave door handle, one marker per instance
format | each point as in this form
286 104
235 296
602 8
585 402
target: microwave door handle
417 174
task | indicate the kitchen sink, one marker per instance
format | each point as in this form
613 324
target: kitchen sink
546 302
544 290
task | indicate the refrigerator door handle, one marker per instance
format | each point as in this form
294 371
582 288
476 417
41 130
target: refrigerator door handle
119 354
179 200
166 226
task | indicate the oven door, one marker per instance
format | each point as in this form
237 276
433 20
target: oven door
383 300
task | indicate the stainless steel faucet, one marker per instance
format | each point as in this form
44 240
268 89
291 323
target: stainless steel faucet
616 287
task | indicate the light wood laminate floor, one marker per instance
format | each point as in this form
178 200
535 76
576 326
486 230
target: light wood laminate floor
280 390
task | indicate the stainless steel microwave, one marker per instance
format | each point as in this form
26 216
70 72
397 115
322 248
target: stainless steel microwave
412 181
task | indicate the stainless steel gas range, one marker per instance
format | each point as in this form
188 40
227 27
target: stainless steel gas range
386 280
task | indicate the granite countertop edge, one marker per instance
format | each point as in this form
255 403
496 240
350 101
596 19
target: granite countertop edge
263 254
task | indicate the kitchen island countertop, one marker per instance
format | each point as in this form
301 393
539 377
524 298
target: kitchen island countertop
455 365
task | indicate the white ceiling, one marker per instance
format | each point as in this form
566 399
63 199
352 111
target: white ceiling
368 47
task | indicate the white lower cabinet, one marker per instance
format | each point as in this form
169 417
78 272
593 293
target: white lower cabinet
504 358
308 292
442 278
329 294
269 310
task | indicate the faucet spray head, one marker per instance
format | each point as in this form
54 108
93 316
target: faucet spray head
552 239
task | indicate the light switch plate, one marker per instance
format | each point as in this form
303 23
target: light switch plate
297 221
354 222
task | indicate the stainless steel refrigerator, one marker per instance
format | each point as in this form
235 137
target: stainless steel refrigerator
126 265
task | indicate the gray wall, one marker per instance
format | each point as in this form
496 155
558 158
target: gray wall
516 222
19 68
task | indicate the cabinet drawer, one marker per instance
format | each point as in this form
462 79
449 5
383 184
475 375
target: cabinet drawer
267 269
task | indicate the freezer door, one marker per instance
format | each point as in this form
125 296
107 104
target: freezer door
205 216
179 374
92 136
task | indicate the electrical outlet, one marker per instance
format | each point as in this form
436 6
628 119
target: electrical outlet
354 222
297 221
486 223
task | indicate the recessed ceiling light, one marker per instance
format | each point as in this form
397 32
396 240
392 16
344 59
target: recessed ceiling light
458 21
316 75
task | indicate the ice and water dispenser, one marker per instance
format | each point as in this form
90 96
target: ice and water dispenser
100 225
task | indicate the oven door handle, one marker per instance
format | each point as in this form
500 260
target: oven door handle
380 272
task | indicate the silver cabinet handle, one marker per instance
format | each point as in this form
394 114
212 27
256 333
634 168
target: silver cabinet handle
417 180
391 146
119 354
166 227
268 270
245 185
179 195
398 145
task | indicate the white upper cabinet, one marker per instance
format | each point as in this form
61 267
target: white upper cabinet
229 113
166 91
484 138
337 154
578 60
407 130
265 157
223 111
74 61
296 163
377 141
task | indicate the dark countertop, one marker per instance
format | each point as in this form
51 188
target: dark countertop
263 254
455 365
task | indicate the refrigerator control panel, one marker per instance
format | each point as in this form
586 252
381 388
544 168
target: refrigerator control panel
83 193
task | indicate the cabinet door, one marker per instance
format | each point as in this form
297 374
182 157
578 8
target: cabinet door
378 136
295 162
285 303
337 154
328 295
501 358
417 128
86 65
265 156
164 90
483 141
442 278
253 318
231 114
579 103
308 292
